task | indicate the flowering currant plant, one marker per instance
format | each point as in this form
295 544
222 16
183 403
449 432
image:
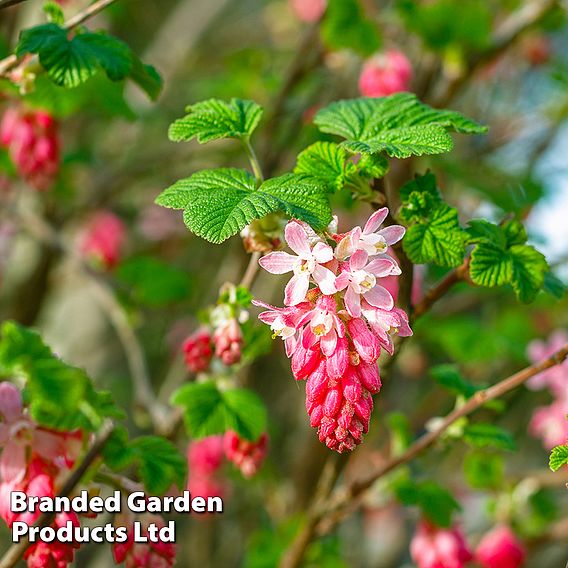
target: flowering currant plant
363 196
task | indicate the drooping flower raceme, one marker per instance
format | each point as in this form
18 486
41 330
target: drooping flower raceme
247 456
500 548
337 318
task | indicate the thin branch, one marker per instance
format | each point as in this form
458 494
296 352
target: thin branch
9 63
144 393
8 3
345 497
16 551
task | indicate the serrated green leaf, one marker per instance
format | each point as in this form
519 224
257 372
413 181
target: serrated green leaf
345 26
422 184
480 230
61 396
450 378
160 464
208 410
558 457
440 240
146 77
483 435
528 269
399 125
213 119
515 233
70 62
219 203
327 162
490 265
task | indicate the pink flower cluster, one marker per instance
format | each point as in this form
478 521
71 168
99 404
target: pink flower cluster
308 10
32 140
549 422
226 343
435 547
334 332
385 74
103 239
205 458
143 554
32 460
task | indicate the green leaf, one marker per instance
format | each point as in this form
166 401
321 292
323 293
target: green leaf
219 203
436 503
554 286
54 12
399 125
484 435
558 457
160 464
484 471
214 119
440 240
70 62
400 431
345 26
528 270
61 396
154 282
208 410
326 162
450 378
490 265
146 77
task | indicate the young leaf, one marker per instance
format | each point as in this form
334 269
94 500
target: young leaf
490 265
440 240
483 435
146 77
399 125
484 470
219 203
54 12
450 378
558 457
528 269
208 410
70 62
214 119
61 396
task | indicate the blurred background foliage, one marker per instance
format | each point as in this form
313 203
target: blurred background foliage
117 156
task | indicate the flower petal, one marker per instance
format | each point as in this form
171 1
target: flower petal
345 247
379 297
381 267
358 260
328 343
375 220
392 234
296 289
297 239
13 462
325 279
278 262
322 253
353 302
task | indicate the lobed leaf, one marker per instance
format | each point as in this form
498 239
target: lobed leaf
558 457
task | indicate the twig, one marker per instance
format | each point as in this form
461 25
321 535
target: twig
434 294
16 551
8 3
251 270
345 497
10 62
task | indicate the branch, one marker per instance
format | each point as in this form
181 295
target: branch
16 551
330 511
12 61
8 3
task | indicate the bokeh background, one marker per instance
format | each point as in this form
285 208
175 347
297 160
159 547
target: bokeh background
117 157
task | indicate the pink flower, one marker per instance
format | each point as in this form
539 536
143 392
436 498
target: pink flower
206 486
247 456
360 279
198 351
306 264
323 326
205 456
228 341
284 322
370 239
385 74
104 238
385 323
32 141
309 10
500 548
144 555
434 547
555 378
550 424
